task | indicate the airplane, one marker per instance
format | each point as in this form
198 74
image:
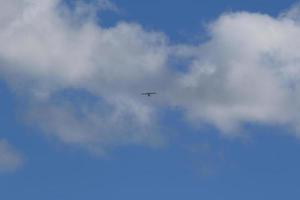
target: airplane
148 93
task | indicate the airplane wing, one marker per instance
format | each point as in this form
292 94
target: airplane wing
148 93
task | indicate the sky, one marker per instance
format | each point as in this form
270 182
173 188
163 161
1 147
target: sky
224 123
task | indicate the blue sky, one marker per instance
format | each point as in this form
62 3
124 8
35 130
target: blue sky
76 132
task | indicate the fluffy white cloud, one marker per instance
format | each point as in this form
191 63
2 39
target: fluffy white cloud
44 54
248 72
10 159
82 81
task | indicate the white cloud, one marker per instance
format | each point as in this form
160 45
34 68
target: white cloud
43 54
248 72
10 159
82 81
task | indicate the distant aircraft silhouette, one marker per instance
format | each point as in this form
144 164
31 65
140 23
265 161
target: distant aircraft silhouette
148 93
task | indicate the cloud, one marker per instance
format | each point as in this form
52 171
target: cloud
81 82
10 159
248 72
45 56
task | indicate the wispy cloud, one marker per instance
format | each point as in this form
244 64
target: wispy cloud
10 159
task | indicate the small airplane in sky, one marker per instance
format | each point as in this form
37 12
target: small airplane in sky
148 93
